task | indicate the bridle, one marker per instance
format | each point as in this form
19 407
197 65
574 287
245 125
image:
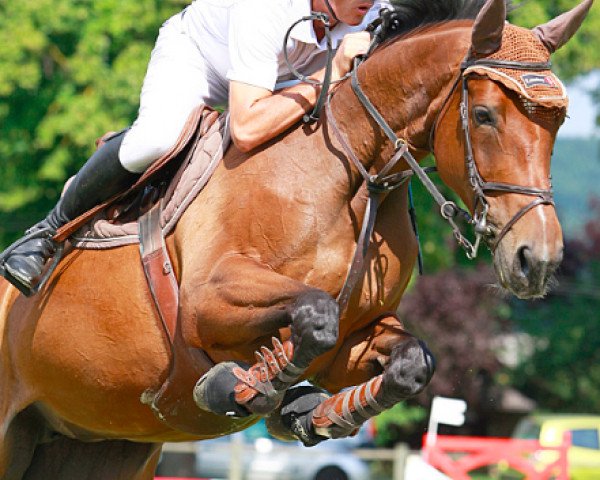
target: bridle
478 184
449 210
378 185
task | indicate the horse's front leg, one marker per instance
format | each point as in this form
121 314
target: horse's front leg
387 363
250 301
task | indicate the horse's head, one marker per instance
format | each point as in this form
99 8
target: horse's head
494 139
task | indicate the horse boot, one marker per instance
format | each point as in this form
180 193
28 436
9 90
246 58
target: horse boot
237 390
100 178
311 416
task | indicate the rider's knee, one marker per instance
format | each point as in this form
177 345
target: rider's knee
140 149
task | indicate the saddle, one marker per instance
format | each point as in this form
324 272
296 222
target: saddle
146 214
172 182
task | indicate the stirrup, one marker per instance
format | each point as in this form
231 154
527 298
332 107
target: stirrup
28 290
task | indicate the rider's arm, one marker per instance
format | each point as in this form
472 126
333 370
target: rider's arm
258 114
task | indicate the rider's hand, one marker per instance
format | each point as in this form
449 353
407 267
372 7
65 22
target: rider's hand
352 45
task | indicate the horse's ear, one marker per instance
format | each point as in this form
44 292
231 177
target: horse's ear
488 28
559 31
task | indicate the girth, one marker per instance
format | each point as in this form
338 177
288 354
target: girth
171 403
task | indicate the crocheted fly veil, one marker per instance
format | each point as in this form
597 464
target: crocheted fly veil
542 93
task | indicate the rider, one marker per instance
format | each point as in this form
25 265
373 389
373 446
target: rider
214 52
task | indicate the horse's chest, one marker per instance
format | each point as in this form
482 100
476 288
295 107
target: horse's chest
325 262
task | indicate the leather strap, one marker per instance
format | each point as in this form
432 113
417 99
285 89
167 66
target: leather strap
313 116
493 63
357 267
159 270
377 186
189 131
171 403
541 200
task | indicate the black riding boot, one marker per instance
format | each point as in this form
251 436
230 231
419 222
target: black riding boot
100 178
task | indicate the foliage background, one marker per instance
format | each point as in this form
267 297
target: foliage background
72 69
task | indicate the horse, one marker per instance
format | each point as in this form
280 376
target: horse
264 250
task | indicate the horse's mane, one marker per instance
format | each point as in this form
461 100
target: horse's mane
409 15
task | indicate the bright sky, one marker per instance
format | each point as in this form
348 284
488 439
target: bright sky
582 113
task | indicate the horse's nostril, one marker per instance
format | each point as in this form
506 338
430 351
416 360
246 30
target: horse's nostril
524 256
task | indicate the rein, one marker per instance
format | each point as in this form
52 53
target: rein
449 210
383 182
326 83
377 185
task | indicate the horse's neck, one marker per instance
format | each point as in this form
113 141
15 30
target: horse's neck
407 81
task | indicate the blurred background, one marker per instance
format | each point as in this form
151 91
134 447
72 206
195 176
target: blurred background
71 70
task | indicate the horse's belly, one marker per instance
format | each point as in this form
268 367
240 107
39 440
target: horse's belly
92 348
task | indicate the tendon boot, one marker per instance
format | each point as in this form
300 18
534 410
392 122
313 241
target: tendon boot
100 178
230 389
260 389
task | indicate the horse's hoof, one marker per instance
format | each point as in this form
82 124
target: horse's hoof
293 421
214 392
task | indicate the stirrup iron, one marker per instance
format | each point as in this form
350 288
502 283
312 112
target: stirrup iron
45 232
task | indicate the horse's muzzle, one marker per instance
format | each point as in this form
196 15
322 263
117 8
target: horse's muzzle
527 270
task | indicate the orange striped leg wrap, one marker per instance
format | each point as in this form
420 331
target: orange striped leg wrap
269 377
342 414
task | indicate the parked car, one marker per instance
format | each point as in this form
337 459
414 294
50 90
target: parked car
584 453
262 457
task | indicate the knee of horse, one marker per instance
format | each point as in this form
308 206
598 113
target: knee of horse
409 370
315 325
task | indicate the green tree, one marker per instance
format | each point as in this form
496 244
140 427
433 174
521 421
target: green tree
562 371
70 70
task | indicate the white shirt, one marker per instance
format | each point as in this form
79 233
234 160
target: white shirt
242 40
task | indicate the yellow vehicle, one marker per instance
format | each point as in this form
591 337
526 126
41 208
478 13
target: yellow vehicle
584 454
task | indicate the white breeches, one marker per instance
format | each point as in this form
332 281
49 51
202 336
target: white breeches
177 80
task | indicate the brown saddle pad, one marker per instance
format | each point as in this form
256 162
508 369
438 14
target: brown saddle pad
175 180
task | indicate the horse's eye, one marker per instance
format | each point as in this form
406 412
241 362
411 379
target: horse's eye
483 116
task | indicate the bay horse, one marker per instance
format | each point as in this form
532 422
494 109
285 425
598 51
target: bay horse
264 249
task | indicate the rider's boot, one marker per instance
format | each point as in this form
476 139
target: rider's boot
100 178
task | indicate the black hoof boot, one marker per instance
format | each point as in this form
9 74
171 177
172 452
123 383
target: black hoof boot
215 391
293 421
24 266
